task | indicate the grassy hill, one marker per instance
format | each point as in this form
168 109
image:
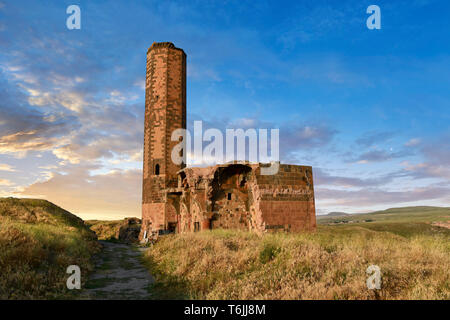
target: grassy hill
38 241
126 230
104 229
407 221
411 250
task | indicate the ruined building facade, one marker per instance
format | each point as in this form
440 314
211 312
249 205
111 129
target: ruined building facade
233 195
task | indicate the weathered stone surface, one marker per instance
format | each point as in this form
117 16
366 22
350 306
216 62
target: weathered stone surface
233 195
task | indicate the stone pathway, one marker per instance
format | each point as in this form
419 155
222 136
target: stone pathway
119 274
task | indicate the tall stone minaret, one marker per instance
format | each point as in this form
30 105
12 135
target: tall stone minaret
165 111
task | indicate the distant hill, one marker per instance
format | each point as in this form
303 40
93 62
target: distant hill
410 210
38 241
405 221
337 214
400 211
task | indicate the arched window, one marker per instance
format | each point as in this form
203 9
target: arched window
157 169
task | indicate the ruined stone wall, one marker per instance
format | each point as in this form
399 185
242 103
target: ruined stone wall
185 221
230 200
153 217
286 200
237 196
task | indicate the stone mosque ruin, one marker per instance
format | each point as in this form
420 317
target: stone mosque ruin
235 195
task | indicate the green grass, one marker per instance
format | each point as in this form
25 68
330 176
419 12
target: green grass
38 241
406 214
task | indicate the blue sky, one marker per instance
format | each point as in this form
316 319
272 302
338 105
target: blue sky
368 109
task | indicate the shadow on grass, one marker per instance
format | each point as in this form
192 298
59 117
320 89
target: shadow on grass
166 287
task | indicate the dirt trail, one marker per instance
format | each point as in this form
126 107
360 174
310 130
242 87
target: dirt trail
119 274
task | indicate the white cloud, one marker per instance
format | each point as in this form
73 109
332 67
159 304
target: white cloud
5 182
413 142
115 194
6 167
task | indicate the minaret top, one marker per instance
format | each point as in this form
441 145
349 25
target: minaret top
169 45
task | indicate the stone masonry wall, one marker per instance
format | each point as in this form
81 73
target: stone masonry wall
286 200
241 198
